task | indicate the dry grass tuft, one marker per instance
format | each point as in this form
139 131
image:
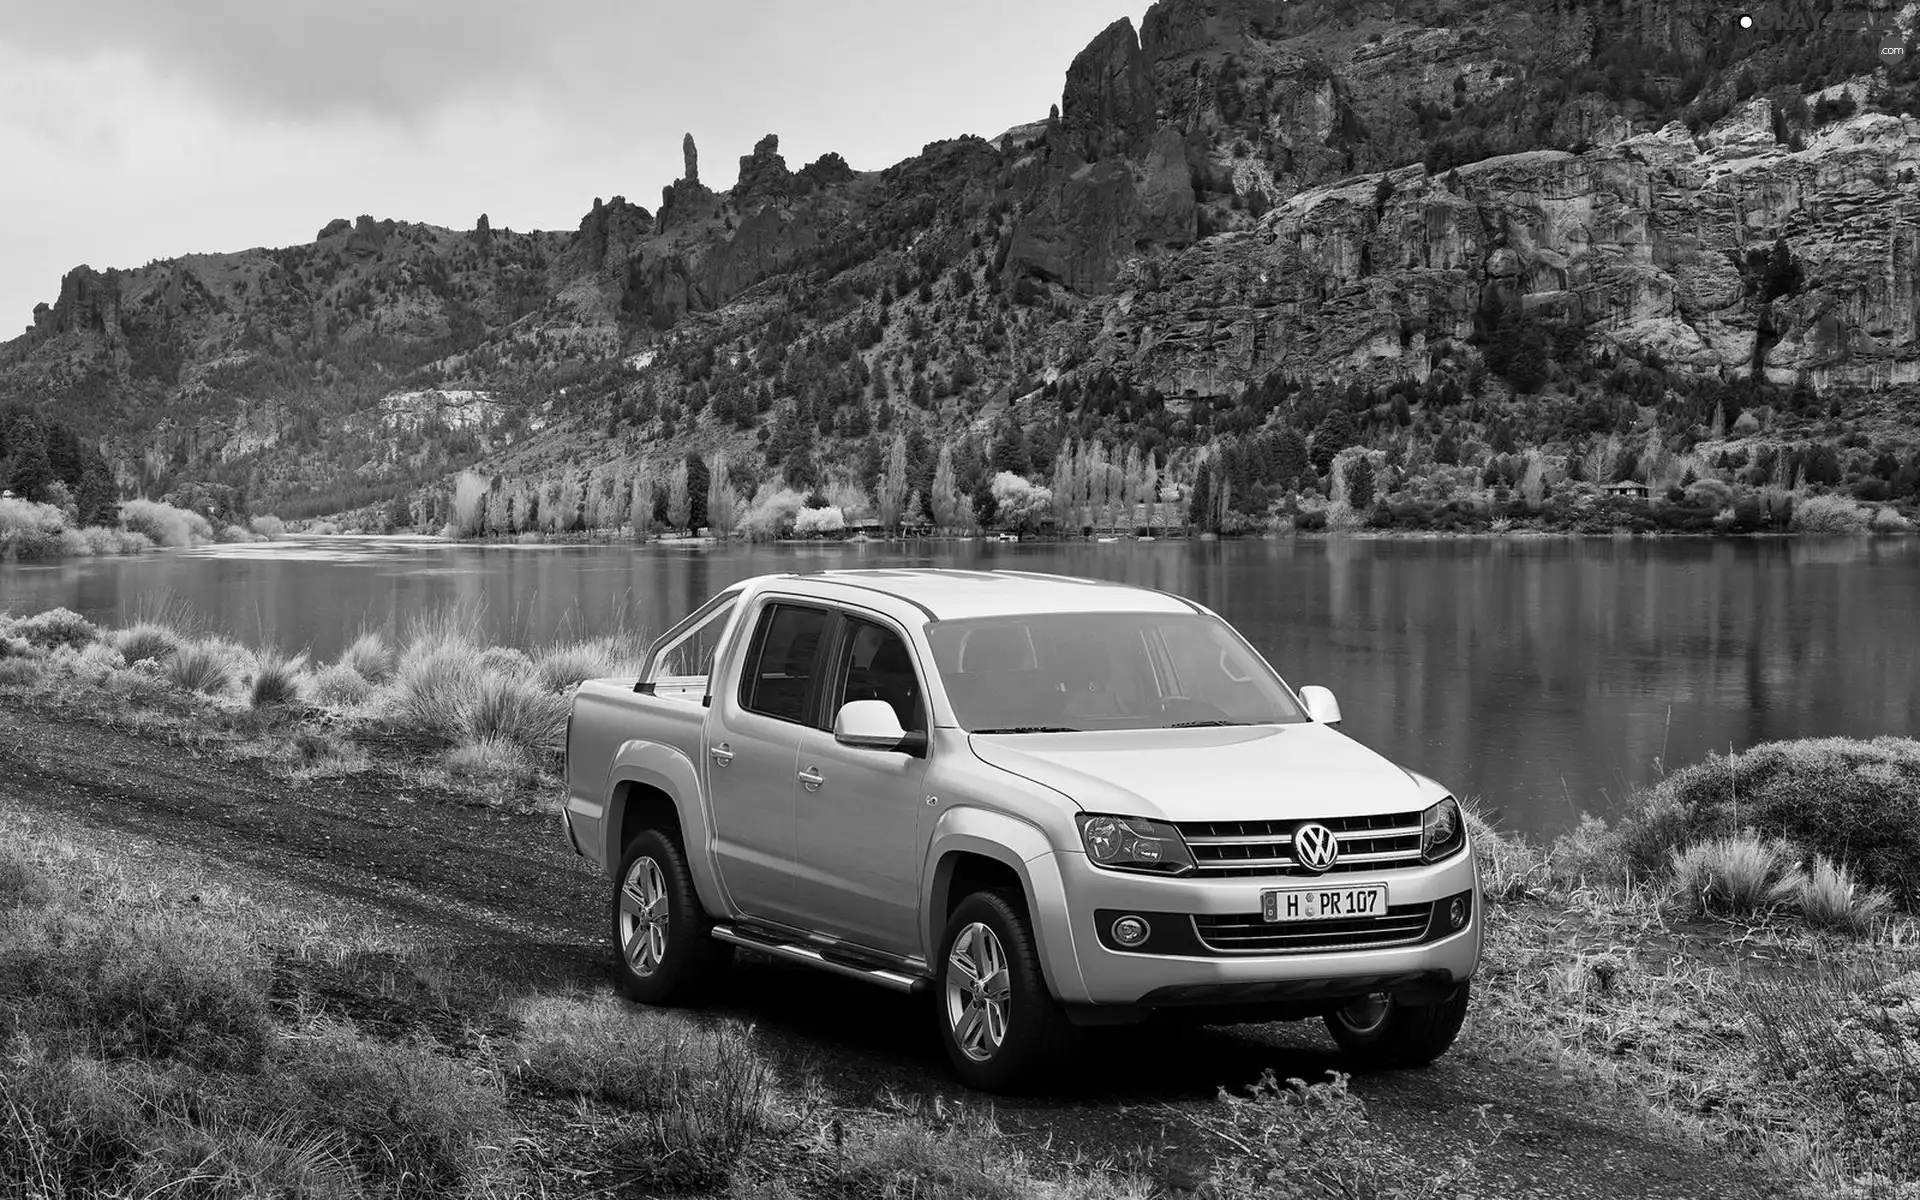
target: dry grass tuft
1735 876
276 681
493 761
1829 897
370 657
147 641
339 686
202 666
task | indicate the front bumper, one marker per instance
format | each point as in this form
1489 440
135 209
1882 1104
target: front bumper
1202 973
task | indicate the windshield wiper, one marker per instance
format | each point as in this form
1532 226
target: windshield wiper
1207 724
1030 729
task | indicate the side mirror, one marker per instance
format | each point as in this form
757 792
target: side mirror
873 725
1321 705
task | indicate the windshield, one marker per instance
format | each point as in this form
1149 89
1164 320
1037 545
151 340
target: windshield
1069 672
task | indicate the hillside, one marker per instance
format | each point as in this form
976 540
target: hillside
1505 224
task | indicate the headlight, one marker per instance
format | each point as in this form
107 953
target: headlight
1441 830
1135 844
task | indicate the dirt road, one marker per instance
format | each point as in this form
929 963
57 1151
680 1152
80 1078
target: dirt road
500 892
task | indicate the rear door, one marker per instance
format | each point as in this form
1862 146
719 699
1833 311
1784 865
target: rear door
857 811
753 747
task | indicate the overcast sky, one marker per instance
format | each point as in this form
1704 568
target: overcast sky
140 129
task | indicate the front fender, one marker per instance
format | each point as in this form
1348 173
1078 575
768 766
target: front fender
642 765
1024 849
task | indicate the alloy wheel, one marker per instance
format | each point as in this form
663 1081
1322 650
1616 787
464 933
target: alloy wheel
978 989
643 916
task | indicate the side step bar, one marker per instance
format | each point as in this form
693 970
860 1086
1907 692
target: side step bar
892 980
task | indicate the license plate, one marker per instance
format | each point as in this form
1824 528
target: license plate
1323 904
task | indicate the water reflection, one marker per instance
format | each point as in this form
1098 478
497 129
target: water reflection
1547 675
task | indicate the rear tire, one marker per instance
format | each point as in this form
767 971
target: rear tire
1377 1032
663 946
1005 1030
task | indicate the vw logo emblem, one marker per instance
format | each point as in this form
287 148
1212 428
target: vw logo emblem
1315 846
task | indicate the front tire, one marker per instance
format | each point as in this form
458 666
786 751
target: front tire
1378 1032
664 949
1001 1026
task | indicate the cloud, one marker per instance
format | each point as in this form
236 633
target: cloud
315 57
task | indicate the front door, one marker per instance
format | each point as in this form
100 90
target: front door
857 811
753 747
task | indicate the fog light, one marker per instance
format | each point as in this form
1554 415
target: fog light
1457 911
1131 931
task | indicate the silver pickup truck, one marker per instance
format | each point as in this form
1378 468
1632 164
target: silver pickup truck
1051 802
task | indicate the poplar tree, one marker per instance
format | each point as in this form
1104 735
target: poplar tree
679 502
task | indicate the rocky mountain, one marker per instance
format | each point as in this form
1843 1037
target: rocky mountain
1517 199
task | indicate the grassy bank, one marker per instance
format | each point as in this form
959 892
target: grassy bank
30 531
488 721
1734 958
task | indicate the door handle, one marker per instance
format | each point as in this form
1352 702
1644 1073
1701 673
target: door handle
721 755
812 778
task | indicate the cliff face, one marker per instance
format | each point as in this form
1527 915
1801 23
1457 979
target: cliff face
1645 244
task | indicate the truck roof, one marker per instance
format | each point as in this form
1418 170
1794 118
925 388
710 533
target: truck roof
946 594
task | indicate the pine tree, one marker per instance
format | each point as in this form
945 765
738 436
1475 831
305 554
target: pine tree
1334 435
1200 501
1360 483
30 474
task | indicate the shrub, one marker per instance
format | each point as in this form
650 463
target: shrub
1829 897
276 681
164 524
56 627
1889 520
1735 876
102 542
1829 514
268 526
123 984
201 667
514 710
19 672
370 657
21 885
413 1119
147 641
29 530
1853 801
700 1097
338 686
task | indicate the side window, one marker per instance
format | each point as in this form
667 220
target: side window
783 662
877 666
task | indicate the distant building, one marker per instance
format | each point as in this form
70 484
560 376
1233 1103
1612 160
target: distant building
1629 489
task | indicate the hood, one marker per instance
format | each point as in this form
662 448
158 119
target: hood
1229 774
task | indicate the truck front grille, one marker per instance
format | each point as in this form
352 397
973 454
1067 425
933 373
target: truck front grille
1265 848
1247 933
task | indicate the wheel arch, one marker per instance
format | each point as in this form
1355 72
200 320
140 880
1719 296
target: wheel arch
652 785
973 848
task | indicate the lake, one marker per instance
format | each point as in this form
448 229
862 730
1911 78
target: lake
1545 675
